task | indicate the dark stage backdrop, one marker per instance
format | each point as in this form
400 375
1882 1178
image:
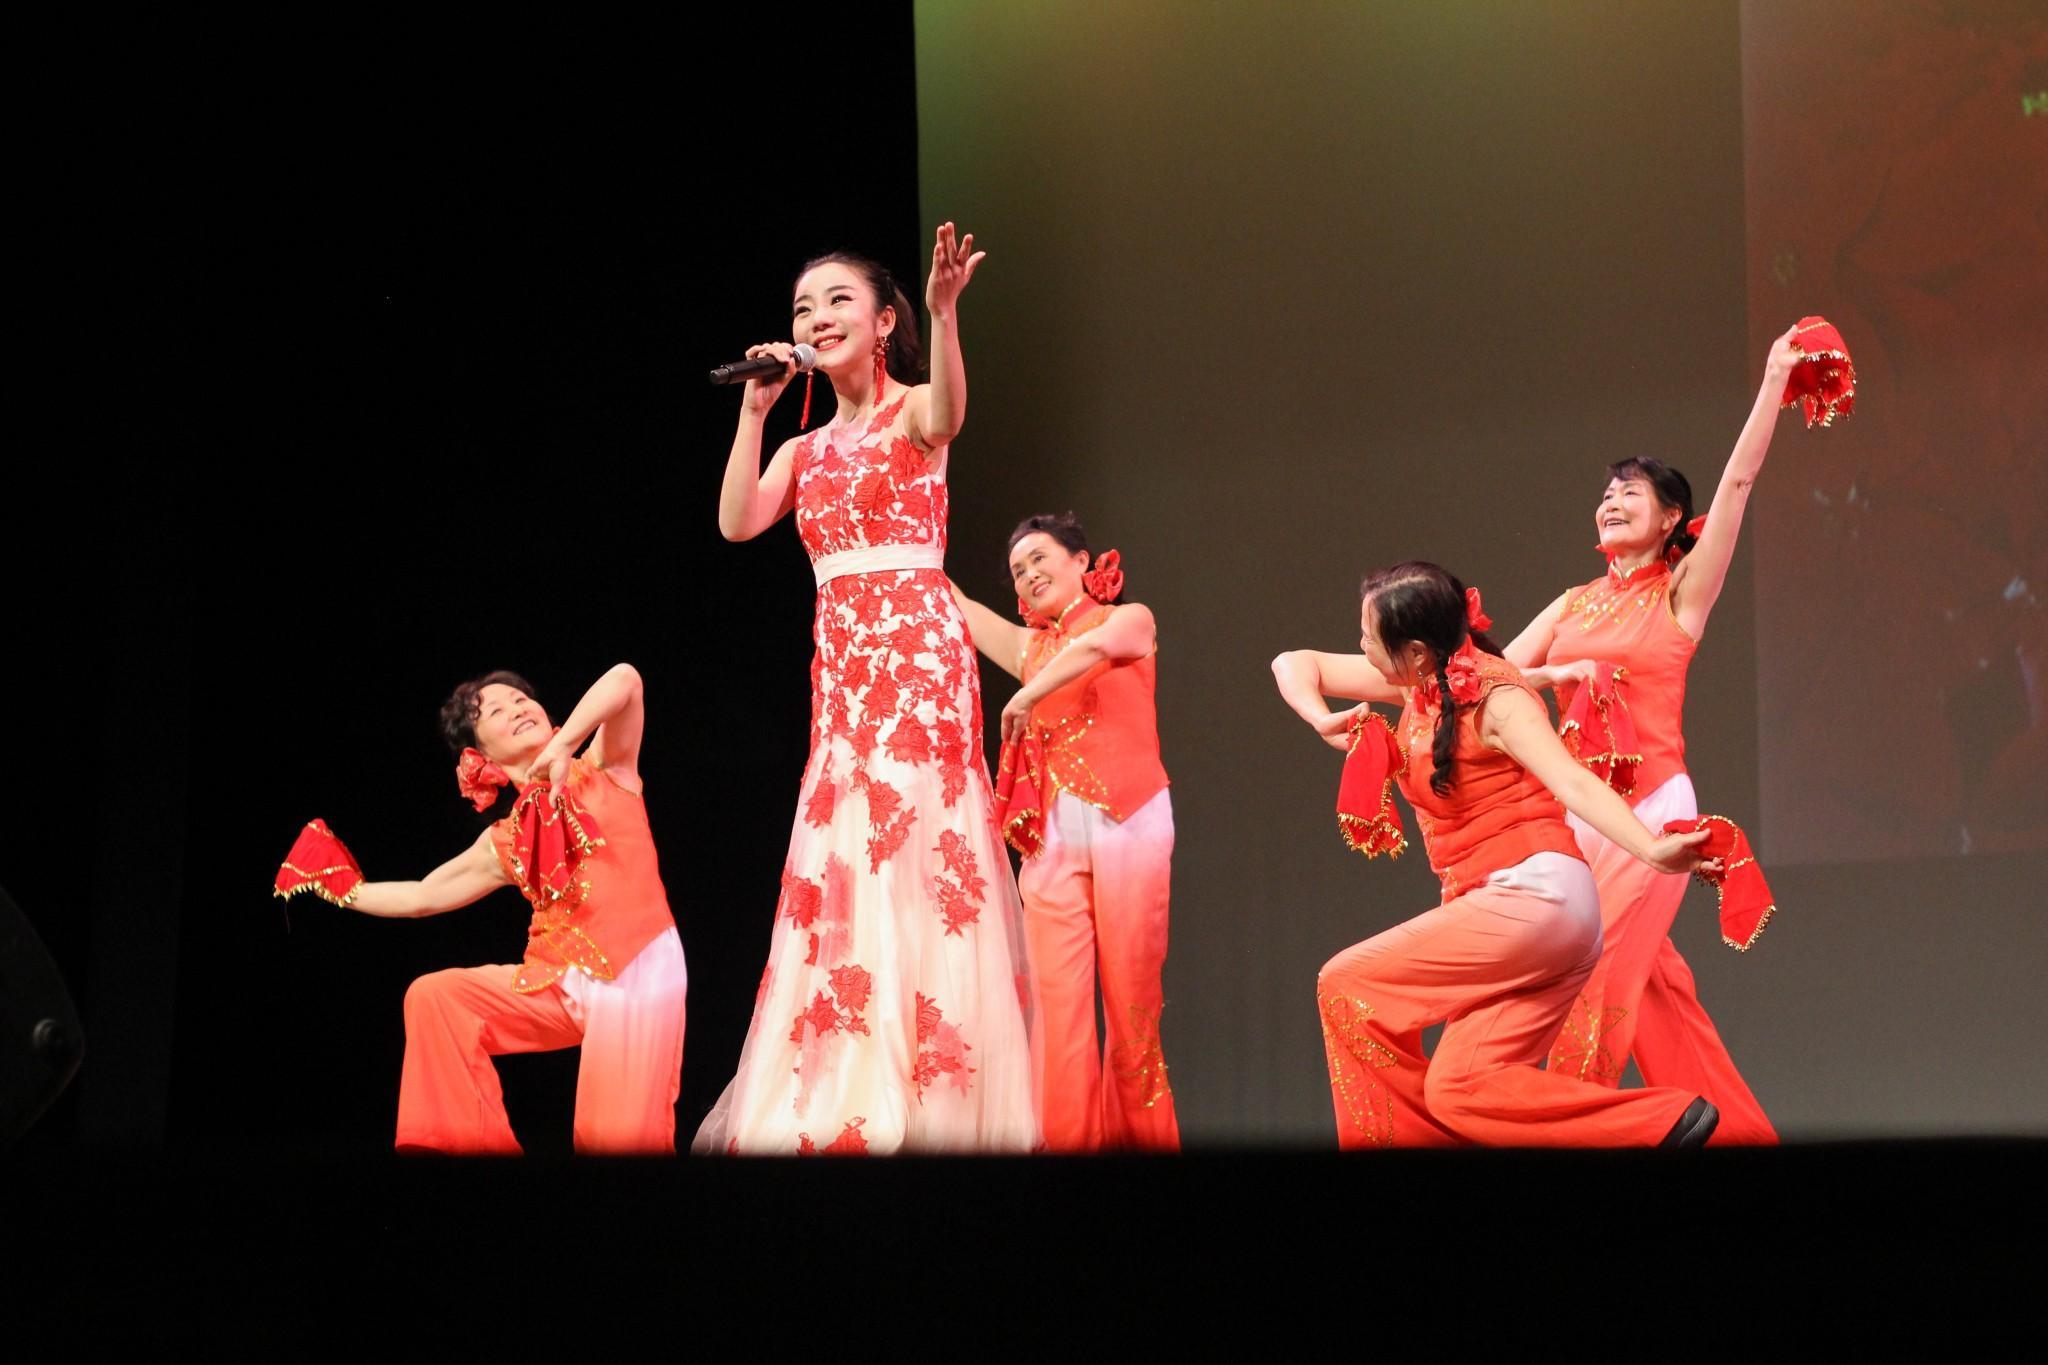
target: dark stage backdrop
408 361
1277 294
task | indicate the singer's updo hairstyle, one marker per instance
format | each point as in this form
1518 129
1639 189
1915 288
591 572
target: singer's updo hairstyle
1424 602
906 349
1673 490
1066 530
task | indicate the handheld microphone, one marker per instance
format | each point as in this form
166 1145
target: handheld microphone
765 367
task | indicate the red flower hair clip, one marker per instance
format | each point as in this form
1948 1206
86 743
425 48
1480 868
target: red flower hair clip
1475 617
479 778
1462 670
1692 528
1106 579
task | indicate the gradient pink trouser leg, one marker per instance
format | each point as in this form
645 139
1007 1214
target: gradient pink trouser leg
1095 910
1499 966
630 1030
1641 999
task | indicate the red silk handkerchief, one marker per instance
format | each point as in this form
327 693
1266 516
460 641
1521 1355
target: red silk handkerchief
1746 905
319 862
1823 381
1365 794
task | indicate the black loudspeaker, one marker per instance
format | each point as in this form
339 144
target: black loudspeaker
41 1041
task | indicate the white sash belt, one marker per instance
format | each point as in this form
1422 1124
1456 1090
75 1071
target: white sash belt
878 559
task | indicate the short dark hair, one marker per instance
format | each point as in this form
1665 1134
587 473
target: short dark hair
459 712
1672 489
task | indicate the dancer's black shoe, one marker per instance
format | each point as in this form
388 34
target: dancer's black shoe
1694 1126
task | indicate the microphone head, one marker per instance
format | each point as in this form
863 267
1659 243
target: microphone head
806 357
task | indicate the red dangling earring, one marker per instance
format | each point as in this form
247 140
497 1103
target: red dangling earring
805 420
881 370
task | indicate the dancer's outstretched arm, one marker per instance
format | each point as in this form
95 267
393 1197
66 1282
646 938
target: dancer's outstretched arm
463 880
1002 641
1696 583
1306 676
1514 723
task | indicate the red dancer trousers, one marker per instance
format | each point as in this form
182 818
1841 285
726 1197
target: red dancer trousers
1641 998
630 1030
1499 966
1095 910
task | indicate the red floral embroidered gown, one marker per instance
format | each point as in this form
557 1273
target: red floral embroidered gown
892 1013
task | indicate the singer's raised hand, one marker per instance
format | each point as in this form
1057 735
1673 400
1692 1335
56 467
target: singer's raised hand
760 394
953 263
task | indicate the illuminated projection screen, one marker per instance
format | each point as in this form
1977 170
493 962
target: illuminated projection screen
1900 188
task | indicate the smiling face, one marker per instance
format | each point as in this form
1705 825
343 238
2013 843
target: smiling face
1631 519
510 726
1046 573
835 310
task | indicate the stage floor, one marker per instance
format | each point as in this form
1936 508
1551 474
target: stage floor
815 1256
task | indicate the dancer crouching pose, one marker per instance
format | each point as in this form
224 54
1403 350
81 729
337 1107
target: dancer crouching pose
1500 960
603 965
1089 811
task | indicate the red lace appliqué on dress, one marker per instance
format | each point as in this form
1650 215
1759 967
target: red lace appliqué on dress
960 893
940 1050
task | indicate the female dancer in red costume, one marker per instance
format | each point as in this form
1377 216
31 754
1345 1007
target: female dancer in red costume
1500 960
893 1011
1099 849
1645 615
603 966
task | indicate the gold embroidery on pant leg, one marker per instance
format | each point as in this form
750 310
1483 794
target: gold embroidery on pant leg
1365 1099
1138 1060
1581 1047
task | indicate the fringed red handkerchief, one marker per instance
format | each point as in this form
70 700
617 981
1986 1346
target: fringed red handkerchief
1823 381
1600 733
1365 796
1020 786
321 864
1746 905
549 842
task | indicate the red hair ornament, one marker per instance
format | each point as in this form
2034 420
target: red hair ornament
1105 580
479 779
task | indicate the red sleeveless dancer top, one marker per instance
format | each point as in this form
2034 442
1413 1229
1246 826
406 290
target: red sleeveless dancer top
1496 813
1626 620
619 905
1100 731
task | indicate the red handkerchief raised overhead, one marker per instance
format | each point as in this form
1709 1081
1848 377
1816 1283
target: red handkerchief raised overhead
1600 733
1365 795
1020 801
319 863
1823 381
1746 905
